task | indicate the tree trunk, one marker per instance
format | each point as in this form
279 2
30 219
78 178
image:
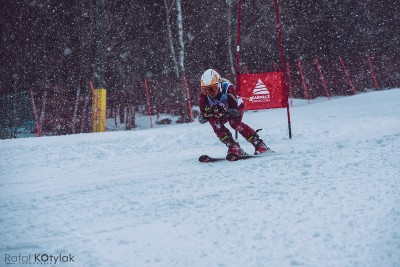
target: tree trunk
43 111
73 126
229 36
84 121
130 118
115 115
121 114
180 33
170 41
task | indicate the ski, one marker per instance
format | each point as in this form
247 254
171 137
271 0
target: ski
231 157
206 158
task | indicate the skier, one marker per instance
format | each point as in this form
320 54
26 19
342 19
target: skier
219 105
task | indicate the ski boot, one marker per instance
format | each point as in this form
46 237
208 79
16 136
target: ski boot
234 149
259 145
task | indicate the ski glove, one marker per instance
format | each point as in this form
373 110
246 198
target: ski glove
232 113
216 111
220 112
202 119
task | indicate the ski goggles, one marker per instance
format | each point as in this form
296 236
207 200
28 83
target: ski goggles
210 89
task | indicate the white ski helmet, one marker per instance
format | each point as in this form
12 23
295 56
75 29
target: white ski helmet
210 82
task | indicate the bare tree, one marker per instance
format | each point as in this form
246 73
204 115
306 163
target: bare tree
74 115
230 36
180 34
168 8
42 111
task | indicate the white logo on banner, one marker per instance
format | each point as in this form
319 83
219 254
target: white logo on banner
260 93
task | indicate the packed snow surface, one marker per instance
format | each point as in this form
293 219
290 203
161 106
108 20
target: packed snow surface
330 196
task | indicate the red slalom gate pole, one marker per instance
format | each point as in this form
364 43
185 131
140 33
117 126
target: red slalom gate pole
238 51
377 87
282 54
290 84
35 114
303 81
353 89
238 55
148 103
321 75
92 87
189 103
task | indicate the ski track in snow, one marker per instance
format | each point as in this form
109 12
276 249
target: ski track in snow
328 197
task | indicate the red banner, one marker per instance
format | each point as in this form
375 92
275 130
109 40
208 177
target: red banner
262 90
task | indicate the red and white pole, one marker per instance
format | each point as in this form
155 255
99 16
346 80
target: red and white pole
148 103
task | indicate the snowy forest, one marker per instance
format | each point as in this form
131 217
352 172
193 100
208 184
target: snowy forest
52 49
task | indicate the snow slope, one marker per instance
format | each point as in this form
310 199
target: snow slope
329 197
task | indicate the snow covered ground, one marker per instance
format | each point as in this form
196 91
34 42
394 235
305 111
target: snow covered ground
329 197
